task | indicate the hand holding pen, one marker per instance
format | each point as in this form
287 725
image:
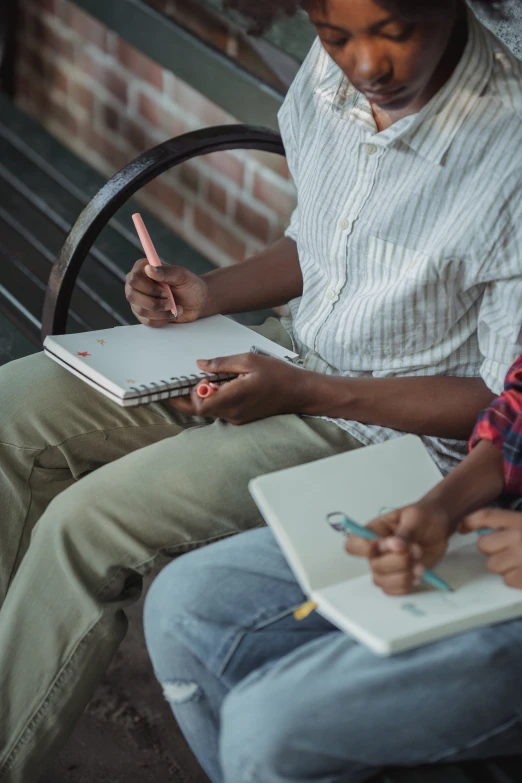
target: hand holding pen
206 389
500 541
404 544
161 295
397 570
257 387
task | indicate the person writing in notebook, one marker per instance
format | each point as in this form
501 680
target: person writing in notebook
402 267
417 536
276 700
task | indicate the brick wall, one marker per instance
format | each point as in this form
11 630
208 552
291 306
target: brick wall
107 102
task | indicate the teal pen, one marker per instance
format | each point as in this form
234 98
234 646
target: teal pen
349 526
485 531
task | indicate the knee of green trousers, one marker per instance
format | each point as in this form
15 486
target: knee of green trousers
43 405
35 394
54 428
115 521
90 549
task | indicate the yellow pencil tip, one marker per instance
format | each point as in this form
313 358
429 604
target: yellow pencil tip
303 611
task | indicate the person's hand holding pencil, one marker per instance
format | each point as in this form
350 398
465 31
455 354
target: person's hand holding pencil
163 294
411 539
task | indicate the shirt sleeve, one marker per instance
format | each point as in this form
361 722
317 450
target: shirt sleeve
293 227
500 333
499 328
300 91
288 119
500 316
501 424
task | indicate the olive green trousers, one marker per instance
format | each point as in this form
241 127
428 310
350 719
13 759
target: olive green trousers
91 495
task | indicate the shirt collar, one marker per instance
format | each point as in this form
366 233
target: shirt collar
431 131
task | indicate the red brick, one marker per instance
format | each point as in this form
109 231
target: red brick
152 112
82 95
139 65
110 117
60 114
217 196
86 26
102 74
59 78
117 86
215 232
252 221
91 66
104 147
228 165
190 176
151 136
276 163
49 38
202 108
49 75
168 197
134 134
276 198
184 177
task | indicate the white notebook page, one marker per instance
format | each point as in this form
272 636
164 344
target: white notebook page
395 623
361 483
126 358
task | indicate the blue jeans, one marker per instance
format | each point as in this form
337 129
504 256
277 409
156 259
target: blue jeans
261 697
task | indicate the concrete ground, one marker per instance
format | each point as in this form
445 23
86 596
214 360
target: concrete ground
128 732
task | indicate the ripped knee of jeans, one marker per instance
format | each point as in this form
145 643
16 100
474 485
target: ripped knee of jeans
179 691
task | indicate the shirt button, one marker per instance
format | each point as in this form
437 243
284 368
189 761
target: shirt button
331 295
371 149
344 223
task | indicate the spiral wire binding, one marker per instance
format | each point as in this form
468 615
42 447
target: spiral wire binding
154 391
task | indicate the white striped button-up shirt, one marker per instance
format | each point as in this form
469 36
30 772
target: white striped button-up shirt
409 239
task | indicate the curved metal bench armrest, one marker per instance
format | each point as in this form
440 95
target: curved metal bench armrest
125 184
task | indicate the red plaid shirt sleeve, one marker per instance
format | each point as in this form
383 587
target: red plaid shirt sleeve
501 424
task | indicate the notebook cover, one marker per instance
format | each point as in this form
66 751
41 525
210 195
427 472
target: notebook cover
136 364
364 483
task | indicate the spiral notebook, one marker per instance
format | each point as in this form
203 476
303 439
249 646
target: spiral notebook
363 484
134 365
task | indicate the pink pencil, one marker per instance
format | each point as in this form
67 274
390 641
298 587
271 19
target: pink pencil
206 389
152 256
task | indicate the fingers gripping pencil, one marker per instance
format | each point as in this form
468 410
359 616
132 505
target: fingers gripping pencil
206 389
152 256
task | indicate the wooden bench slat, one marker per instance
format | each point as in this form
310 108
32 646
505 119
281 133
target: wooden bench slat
53 184
35 230
26 289
60 170
36 266
13 344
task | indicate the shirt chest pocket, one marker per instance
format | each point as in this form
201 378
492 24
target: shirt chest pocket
397 302
389 263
